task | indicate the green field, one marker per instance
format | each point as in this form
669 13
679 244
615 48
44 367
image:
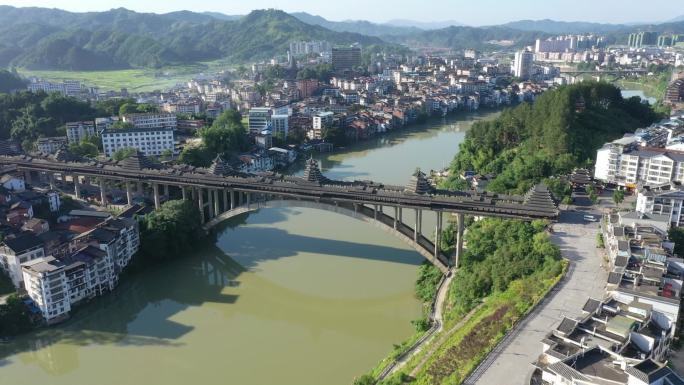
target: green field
135 80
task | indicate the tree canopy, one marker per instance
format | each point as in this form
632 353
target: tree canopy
560 131
172 231
225 135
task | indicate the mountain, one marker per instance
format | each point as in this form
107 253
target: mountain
480 38
676 19
41 38
222 16
424 25
560 27
359 26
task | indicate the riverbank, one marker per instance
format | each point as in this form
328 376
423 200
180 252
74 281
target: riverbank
476 318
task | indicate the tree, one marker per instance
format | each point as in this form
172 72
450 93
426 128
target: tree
676 235
172 231
618 196
84 149
197 156
14 317
121 125
123 153
128 108
226 134
365 379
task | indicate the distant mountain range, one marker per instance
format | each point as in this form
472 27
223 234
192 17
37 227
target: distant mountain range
560 27
42 38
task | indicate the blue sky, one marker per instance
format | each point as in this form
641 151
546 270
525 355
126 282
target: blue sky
478 12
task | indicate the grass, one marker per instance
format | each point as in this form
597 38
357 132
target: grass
135 80
469 345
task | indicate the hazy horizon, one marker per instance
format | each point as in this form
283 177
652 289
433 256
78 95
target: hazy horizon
463 12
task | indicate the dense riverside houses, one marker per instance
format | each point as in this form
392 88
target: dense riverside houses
90 268
624 337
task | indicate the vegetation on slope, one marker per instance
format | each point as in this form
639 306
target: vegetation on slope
10 82
122 39
560 131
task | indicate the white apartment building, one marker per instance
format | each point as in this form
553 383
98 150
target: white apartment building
77 131
666 199
152 120
280 124
18 250
150 141
522 65
52 144
46 284
258 119
623 163
190 107
91 269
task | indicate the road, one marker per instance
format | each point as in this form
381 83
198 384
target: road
510 362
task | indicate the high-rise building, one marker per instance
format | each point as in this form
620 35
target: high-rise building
522 65
640 39
346 58
258 119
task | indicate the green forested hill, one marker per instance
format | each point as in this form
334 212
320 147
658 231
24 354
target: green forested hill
39 38
10 82
560 131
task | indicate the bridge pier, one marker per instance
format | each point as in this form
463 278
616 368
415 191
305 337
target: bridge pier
139 189
77 186
225 199
210 195
155 192
27 176
51 180
201 204
217 210
396 215
400 215
247 198
232 199
166 190
184 193
103 191
415 228
438 233
458 249
129 193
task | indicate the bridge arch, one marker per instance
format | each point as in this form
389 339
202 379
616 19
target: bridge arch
380 220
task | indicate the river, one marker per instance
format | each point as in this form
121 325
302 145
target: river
290 296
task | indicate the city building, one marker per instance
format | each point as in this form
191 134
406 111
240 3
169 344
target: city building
675 92
279 125
152 120
666 199
91 268
346 58
307 87
150 141
522 65
184 107
309 47
77 131
52 144
68 87
640 39
258 119
15 251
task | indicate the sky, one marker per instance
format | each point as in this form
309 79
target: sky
469 12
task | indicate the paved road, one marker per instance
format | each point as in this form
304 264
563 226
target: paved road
509 364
